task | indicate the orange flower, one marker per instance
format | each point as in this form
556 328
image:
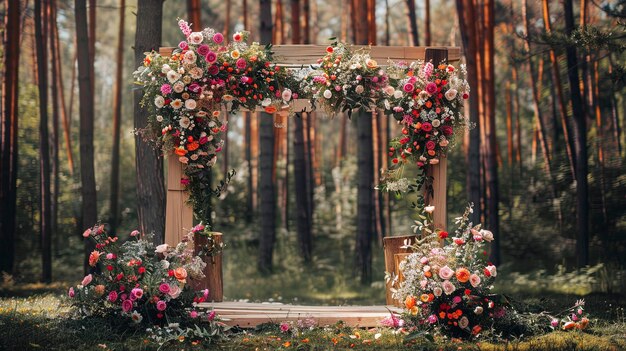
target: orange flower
410 302
428 104
93 258
583 323
270 109
570 325
193 146
476 329
462 275
287 343
180 151
428 274
431 152
99 289
180 273
424 297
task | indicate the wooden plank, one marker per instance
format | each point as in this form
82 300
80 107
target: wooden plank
392 245
305 55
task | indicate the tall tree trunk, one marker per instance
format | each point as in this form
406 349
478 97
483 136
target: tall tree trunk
412 19
92 43
617 132
54 93
9 128
556 77
148 161
117 116
306 12
427 36
45 215
345 10
226 30
303 220
387 24
244 11
353 19
371 21
61 94
87 172
266 156
509 124
466 13
365 179
279 26
194 12
247 116
580 134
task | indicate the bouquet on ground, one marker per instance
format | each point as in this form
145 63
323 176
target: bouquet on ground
447 278
140 281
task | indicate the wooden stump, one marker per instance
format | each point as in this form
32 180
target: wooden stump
392 246
213 270
178 216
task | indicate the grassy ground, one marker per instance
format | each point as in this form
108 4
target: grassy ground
41 322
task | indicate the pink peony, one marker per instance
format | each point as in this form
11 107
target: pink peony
127 305
203 50
164 288
88 278
113 296
445 272
286 95
166 89
218 38
71 292
431 88
161 305
205 293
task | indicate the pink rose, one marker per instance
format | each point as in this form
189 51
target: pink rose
491 271
446 272
88 278
448 287
203 50
127 305
183 45
161 305
284 327
113 296
71 292
174 291
447 130
241 63
474 280
408 87
137 292
193 314
427 127
431 88
218 38
87 233
164 288
134 233
430 145
211 57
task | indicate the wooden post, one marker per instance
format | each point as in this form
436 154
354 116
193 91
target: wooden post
392 245
178 215
439 172
213 279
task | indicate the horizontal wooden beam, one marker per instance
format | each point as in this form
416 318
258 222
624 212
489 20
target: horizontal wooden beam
304 55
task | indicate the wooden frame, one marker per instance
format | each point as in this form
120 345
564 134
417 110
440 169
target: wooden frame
179 216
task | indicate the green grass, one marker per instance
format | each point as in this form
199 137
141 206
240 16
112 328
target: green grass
44 322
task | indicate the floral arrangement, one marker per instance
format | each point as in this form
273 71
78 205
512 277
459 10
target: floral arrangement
447 278
139 281
428 102
186 93
346 79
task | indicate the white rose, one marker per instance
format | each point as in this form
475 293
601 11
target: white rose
161 248
165 264
328 94
397 94
159 118
174 291
195 38
429 209
359 89
437 291
436 123
448 287
179 87
190 57
266 102
176 104
487 235
196 73
451 94
190 104
184 122
159 101
478 310
166 68
286 95
172 76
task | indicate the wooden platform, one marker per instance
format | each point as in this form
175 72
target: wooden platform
249 315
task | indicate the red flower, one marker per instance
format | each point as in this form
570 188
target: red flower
330 49
427 127
170 273
443 235
109 268
142 270
447 130
430 145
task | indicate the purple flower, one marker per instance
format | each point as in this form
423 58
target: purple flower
161 305
203 50
431 88
218 38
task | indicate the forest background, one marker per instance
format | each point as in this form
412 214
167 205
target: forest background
548 104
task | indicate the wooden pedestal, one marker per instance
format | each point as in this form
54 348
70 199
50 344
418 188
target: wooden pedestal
394 253
213 271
